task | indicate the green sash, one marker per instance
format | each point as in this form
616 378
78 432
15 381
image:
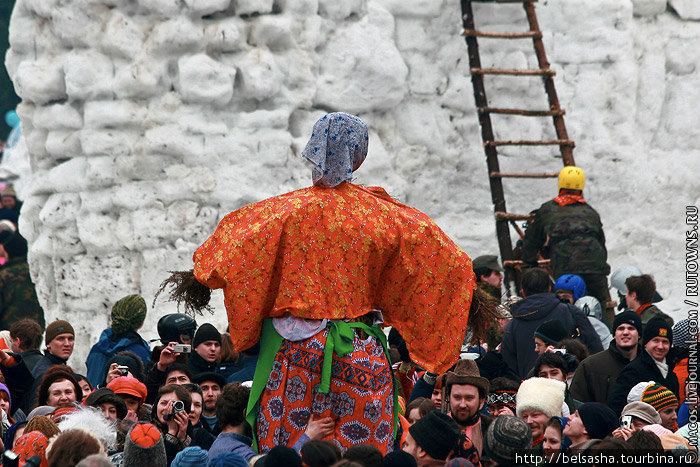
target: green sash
339 341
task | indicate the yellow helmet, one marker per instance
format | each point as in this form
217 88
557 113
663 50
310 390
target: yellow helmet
572 178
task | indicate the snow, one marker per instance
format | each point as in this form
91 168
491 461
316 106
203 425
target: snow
147 121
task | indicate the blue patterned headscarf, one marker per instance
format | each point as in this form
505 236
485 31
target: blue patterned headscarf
337 147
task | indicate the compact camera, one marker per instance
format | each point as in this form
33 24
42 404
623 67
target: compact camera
182 348
123 370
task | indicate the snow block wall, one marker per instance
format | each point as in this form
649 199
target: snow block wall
148 120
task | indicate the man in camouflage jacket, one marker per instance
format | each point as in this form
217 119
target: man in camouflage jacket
573 233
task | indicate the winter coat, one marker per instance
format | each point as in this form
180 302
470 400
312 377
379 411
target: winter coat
575 239
642 368
518 347
18 298
107 346
245 370
198 365
596 376
651 311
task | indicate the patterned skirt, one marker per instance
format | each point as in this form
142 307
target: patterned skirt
361 399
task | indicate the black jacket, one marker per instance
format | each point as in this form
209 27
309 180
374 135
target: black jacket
596 376
518 347
198 365
642 368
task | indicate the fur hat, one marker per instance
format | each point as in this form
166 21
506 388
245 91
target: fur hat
144 447
659 397
466 372
657 327
505 436
128 313
436 433
53 374
92 420
598 419
57 327
642 411
543 394
206 332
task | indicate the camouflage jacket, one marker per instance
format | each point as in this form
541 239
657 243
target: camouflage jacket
17 294
574 236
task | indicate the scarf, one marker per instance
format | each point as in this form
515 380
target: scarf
565 200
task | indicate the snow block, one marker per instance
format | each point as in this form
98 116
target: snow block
203 80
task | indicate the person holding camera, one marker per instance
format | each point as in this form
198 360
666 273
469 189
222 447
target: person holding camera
170 415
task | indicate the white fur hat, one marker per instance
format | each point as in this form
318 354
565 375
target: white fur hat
543 394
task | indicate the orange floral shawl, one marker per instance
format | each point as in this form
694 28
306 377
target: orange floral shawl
339 253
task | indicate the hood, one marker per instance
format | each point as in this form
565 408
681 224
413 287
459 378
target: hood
535 307
110 343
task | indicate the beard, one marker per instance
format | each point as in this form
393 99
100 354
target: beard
462 417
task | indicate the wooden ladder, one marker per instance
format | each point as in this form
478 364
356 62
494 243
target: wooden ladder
504 219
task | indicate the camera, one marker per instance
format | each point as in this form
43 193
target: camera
626 421
182 348
178 406
561 351
123 370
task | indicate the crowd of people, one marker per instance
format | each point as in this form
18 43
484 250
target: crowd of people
359 336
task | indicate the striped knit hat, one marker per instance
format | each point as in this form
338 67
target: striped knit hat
659 397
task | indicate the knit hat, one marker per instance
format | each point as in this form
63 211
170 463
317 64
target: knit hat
144 447
551 332
15 244
6 390
60 412
657 429
657 327
637 390
681 334
8 190
43 424
279 456
598 419
193 456
102 395
31 444
543 394
466 372
506 436
436 433
399 459
128 313
206 332
642 411
659 397
627 317
130 386
57 327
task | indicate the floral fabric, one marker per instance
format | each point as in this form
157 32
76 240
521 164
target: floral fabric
31 444
360 400
337 147
339 253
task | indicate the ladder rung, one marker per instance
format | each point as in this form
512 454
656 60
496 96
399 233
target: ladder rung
504 1
517 262
505 216
524 175
554 142
527 113
502 35
510 71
